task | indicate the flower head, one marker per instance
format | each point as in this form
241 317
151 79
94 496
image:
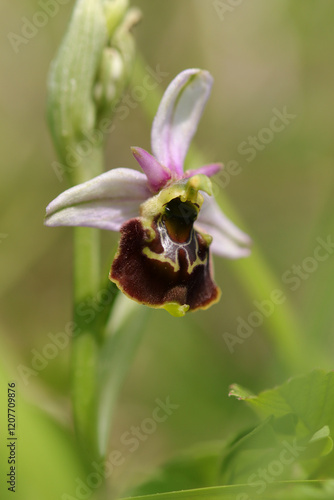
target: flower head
168 219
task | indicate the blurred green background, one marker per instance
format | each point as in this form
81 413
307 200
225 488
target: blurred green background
263 56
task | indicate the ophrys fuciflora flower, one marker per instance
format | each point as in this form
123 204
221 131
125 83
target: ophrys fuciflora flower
169 221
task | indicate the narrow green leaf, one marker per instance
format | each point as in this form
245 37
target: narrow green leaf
124 333
287 490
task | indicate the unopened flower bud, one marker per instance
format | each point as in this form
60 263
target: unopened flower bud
87 78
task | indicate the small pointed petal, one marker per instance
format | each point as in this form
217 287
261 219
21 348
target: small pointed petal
228 240
177 117
157 175
105 202
208 170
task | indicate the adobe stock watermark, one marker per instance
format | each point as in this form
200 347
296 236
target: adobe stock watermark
130 441
225 7
293 278
260 479
93 138
251 146
58 342
31 27
254 143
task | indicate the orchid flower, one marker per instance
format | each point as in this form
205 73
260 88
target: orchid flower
168 219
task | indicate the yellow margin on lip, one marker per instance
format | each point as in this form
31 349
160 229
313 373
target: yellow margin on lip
173 308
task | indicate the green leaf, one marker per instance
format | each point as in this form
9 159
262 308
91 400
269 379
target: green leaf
263 453
240 392
302 408
123 335
289 444
289 490
198 467
310 397
320 444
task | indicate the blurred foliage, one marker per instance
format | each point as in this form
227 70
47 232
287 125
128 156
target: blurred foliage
263 56
292 440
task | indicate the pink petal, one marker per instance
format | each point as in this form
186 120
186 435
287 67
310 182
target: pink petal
157 175
104 202
208 170
177 117
106 214
228 240
222 244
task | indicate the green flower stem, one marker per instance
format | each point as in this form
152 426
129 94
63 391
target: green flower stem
85 346
253 273
100 359
89 166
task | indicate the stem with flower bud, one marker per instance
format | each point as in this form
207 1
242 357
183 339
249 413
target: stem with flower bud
87 78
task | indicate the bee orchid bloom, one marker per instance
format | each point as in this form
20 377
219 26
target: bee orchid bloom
168 219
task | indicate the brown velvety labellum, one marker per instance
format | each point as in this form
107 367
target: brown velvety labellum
173 266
